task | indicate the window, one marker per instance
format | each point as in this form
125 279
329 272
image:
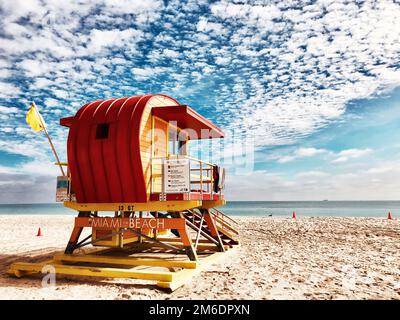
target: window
177 141
182 147
102 130
172 140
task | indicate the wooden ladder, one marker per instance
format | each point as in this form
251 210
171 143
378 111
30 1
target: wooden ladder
224 224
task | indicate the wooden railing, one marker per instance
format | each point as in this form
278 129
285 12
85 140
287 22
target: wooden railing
201 174
222 221
222 215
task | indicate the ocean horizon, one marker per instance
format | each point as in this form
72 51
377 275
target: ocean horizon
249 208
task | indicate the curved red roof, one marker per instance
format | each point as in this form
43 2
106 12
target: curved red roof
107 170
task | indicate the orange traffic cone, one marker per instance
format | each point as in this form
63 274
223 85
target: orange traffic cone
294 215
39 233
389 216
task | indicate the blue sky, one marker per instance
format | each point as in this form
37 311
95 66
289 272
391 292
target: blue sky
314 85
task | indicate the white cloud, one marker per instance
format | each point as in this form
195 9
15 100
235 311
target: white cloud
275 71
50 102
132 6
8 110
253 14
8 90
313 70
62 94
312 174
210 27
373 183
202 25
34 68
337 157
100 39
4 63
170 53
345 155
16 9
309 152
7 129
222 60
5 73
144 73
300 153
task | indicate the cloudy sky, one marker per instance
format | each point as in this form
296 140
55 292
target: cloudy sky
315 85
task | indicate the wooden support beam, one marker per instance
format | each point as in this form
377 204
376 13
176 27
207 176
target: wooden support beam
172 205
168 280
200 246
94 271
76 233
208 204
184 276
129 261
213 228
180 240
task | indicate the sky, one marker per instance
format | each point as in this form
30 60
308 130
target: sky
311 87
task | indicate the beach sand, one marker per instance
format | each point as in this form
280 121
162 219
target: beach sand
310 258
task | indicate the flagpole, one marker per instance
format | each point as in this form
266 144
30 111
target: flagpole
48 138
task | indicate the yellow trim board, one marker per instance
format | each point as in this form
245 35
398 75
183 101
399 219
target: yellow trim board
169 280
208 204
173 205
182 277
13 271
129 261
93 271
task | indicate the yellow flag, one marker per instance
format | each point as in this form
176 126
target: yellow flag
34 119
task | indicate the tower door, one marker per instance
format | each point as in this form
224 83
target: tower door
160 138
160 150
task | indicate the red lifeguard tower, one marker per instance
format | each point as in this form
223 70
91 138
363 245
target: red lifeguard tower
133 183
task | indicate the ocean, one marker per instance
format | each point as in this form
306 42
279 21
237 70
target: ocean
253 208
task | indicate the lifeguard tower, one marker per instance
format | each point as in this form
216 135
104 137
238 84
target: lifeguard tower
134 185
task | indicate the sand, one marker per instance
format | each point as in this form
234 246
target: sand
311 258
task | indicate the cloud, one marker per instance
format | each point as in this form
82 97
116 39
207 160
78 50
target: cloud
100 39
275 70
7 129
50 102
300 153
8 110
5 73
222 60
315 61
345 155
132 6
144 73
8 90
34 68
278 72
312 174
261 15
170 53
20 188
374 182
338 157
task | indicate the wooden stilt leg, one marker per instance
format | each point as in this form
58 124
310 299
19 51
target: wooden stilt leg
187 243
186 240
76 233
213 228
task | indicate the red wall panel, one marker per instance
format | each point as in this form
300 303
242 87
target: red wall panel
110 169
